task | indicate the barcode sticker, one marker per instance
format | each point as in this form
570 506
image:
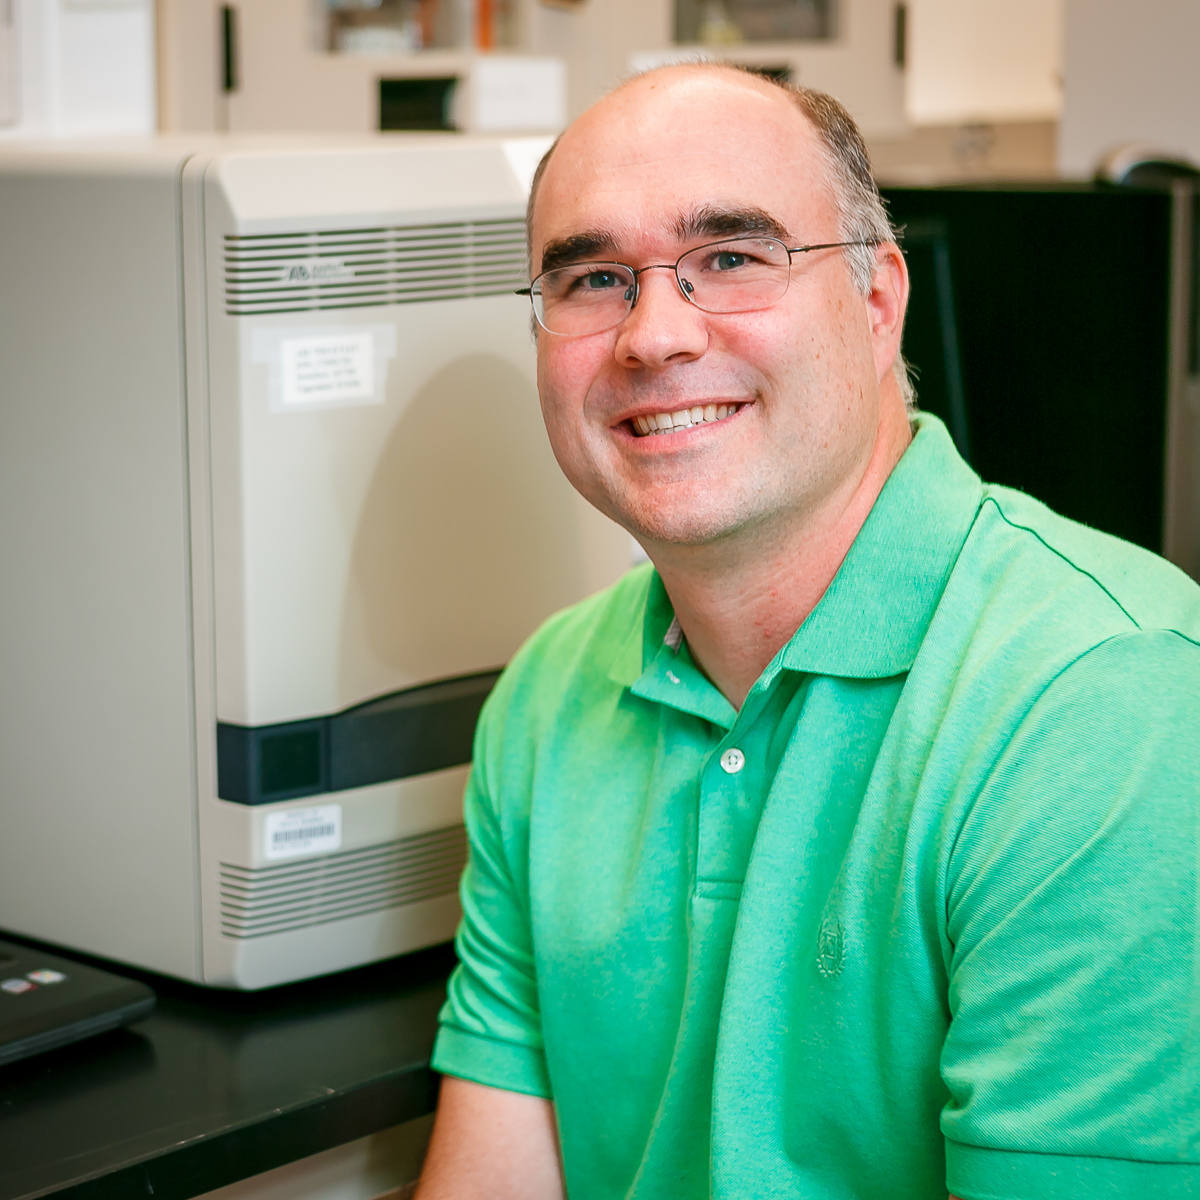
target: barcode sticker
299 831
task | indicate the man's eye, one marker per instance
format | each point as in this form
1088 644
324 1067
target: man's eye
597 280
729 260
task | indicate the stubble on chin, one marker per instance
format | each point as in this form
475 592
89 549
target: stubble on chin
682 512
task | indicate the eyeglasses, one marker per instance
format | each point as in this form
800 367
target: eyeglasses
736 275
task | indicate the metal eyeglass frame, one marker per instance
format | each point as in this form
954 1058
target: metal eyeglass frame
685 288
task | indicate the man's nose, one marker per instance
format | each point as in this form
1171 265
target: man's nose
663 326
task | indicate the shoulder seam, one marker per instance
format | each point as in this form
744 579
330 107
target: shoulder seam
1059 554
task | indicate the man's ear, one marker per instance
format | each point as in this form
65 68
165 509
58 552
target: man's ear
886 304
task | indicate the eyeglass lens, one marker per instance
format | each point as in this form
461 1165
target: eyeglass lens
725 277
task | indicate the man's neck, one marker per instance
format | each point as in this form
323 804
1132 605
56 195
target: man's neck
740 604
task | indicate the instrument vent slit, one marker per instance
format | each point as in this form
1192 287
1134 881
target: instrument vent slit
278 898
401 264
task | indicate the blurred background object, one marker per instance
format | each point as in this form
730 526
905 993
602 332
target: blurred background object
352 66
9 107
982 93
1130 71
716 21
76 68
849 50
984 60
970 89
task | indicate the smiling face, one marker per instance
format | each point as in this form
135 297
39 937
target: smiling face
773 414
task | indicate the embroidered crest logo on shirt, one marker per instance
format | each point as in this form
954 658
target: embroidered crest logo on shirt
831 948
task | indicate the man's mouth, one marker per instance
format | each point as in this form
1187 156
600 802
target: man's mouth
684 418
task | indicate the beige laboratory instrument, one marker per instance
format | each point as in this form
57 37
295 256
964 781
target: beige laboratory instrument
275 505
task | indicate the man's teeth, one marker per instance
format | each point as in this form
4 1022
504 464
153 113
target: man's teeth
685 418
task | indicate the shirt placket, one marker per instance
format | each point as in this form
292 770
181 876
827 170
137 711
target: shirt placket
736 773
732 787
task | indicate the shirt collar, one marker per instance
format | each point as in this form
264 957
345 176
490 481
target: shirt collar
668 675
873 617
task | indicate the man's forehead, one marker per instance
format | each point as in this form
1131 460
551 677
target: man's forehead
660 163
574 226
684 146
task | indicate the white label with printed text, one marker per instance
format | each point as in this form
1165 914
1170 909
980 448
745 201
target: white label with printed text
302 831
328 370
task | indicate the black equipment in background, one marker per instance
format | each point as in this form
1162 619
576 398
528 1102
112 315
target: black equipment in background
931 343
1040 330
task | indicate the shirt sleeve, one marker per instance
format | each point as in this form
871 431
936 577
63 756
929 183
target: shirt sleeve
1073 1054
490 1026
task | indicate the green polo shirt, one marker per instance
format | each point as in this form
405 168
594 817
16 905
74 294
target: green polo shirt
921 916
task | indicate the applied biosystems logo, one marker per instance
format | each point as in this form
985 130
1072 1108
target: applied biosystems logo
315 270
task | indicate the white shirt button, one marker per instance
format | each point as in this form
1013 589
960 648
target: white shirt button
732 761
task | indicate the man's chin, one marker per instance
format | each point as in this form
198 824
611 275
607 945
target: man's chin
674 513
682 529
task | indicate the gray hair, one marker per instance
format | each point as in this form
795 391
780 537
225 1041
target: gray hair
861 214
860 210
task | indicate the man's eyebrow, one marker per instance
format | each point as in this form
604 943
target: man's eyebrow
579 247
714 222
707 222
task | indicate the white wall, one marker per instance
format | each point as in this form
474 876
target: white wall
1132 73
595 40
189 66
984 60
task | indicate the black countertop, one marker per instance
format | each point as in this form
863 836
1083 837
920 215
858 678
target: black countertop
217 1086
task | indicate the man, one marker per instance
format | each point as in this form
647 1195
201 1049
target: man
851 851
